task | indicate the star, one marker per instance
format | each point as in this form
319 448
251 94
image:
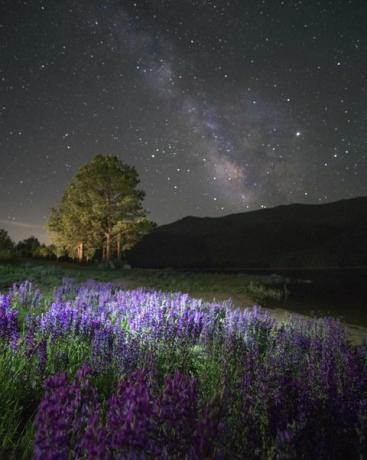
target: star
234 115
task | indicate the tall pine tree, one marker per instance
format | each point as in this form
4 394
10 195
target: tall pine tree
101 206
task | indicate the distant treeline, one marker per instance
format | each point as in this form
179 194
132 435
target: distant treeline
27 248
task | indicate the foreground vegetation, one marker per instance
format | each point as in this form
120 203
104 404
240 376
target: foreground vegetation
94 371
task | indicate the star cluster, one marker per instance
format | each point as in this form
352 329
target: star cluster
222 105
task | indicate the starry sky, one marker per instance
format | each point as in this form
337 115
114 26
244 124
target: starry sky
222 105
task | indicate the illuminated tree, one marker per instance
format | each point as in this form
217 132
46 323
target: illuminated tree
101 206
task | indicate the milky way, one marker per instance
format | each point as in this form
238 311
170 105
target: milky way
222 106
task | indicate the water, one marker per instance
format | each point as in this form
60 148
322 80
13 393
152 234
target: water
339 293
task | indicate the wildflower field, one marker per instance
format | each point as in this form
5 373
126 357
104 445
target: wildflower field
97 372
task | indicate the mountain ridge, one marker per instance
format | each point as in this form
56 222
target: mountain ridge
297 234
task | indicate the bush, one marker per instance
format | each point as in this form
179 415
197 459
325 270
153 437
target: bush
5 242
7 255
44 252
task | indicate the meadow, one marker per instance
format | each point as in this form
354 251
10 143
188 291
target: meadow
48 274
91 370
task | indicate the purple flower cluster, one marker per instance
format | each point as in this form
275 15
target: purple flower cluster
139 420
63 415
174 377
150 316
9 332
308 387
25 294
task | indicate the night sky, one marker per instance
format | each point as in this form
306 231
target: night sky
222 106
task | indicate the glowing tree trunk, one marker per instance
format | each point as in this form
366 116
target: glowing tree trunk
108 246
80 251
118 247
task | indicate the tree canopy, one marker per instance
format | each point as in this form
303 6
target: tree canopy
101 211
28 247
5 241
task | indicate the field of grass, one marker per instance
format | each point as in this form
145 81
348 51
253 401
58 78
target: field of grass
49 274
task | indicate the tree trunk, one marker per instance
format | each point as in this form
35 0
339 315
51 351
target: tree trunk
104 252
80 251
108 247
118 247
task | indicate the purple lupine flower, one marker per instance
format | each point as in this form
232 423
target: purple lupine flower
102 348
42 355
130 417
286 387
205 436
177 412
9 331
95 441
25 295
63 415
30 342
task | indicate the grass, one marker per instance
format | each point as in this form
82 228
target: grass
50 274
251 288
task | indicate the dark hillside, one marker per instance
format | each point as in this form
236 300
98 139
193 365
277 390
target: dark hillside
333 234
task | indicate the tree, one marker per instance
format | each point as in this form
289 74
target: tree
5 242
45 252
100 202
28 247
128 233
6 246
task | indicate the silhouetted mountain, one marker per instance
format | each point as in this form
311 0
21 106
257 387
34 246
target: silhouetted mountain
298 235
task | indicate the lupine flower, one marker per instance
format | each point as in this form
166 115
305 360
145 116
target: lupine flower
63 415
9 332
196 379
25 294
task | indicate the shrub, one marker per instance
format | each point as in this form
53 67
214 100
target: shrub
7 255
